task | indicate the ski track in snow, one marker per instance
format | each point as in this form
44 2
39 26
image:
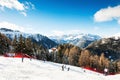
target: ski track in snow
14 69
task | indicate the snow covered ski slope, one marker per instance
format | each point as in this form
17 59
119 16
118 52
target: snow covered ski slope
14 69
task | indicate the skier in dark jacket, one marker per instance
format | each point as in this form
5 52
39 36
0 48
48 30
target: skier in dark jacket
22 57
62 67
68 69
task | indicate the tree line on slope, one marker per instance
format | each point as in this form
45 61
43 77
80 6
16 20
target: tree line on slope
21 45
4 44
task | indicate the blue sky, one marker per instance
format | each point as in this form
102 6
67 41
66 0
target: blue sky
56 17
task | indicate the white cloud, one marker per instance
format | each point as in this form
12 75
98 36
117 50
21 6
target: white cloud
58 32
15 4
12 4
23 13
108 14
29 5
13 26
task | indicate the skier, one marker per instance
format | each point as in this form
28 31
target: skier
62 67
84 70
30 58
68 69
44 60
65 66
22 57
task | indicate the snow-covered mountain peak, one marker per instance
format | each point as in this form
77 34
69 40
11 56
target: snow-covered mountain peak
12 33
38 38
76 36
7 30
80 39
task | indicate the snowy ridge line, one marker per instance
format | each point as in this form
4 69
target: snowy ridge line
80 39
38 38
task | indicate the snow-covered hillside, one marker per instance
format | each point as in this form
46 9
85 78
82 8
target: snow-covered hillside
81 40
14 69
38 38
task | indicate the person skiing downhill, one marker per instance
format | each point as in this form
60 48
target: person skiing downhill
68 69
62 67
22 57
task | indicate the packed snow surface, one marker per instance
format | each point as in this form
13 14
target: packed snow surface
14 69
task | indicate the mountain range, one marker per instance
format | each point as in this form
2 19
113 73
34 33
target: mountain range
37 38
110 46
80 40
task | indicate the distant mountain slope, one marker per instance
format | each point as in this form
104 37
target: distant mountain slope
109 46
39 39
80 40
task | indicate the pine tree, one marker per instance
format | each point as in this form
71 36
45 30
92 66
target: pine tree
60 54
118 66
21 45
74 55
94 61
84 59
103 62
28 46
4 44
15 44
